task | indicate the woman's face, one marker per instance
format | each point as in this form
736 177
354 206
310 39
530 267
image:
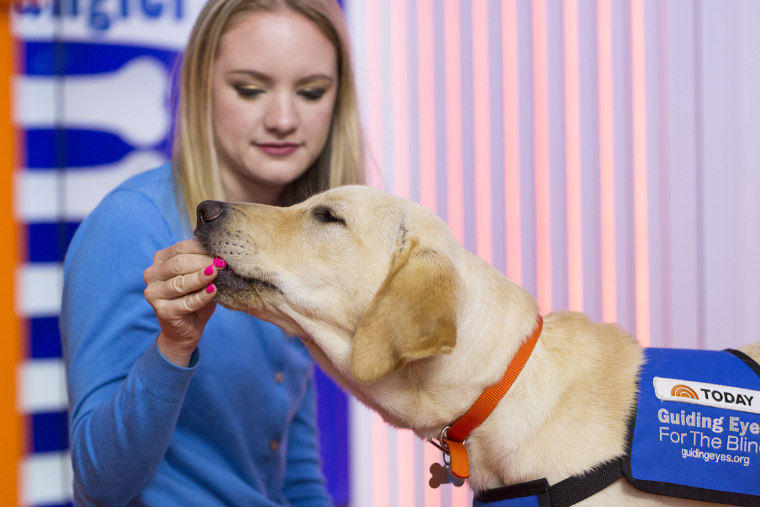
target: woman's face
273 88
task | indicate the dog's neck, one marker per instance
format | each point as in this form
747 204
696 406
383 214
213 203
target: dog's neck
567 412
453 436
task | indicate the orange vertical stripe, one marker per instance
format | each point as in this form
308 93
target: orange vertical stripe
405 468
399 47
452 19
426 97
573 157
374 106
428 182
453 74
640 168
511 115
460 497
400 98
541 147
607 163
375 117
432 496
482 127
11 422
380 462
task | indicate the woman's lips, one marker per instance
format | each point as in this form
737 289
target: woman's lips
277 149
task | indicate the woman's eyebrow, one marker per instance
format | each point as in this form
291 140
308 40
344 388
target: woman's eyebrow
316 77
260 76
265 78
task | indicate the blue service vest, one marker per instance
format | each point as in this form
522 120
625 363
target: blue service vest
697 428
695 435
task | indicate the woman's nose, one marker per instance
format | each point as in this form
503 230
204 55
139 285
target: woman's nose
281 116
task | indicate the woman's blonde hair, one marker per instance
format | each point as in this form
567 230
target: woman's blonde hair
195 167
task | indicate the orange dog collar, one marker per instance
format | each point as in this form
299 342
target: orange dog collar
453 438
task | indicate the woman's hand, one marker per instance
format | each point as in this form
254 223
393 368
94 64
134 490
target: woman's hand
179 288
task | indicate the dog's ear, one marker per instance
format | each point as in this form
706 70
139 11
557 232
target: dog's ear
411 317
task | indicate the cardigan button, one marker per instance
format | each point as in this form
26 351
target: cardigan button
274 445
279 377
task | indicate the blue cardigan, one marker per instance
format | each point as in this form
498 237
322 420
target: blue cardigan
237 427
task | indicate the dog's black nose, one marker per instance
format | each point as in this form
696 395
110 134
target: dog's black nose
208 211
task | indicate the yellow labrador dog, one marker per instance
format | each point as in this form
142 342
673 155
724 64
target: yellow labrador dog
416 327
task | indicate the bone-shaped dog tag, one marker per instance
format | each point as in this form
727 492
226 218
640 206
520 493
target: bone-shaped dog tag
441 474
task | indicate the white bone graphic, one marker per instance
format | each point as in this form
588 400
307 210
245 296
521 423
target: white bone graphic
131 102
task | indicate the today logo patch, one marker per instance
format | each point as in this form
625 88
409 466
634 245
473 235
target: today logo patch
711 395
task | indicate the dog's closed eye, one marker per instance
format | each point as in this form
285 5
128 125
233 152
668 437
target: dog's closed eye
327 215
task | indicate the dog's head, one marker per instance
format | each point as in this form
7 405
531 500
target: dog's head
367 277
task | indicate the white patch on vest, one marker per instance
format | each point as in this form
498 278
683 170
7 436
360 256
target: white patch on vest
710 395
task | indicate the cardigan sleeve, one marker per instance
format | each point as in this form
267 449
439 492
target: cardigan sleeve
124 396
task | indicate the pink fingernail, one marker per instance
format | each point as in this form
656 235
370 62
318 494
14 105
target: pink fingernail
219 262
208 271
210 288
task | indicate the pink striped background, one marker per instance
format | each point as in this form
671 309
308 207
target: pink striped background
602 154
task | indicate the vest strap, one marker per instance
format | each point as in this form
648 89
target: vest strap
563 494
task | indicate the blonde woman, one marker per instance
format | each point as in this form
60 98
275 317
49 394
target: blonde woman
174 401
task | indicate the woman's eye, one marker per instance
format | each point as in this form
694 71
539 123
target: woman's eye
248 92
312 93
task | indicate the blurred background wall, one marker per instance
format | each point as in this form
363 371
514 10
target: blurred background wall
604 154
